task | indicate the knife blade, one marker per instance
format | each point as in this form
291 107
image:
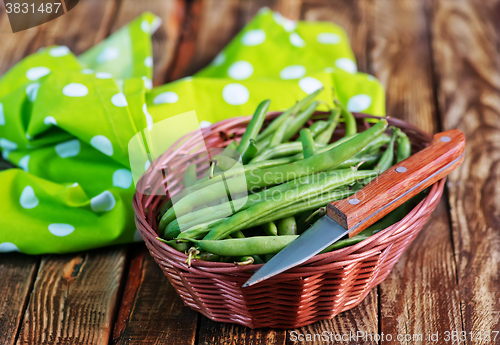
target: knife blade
385 193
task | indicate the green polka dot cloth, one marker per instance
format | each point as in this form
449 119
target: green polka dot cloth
66 120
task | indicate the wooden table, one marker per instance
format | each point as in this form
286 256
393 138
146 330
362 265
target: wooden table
439 61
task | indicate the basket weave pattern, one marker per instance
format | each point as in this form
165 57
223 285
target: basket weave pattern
319 289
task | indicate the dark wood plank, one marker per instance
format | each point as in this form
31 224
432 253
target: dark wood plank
18 272
151 312
15 46
74 298
466 42
212 332
211 24
355 17
419 296
79 29
401 60
166 38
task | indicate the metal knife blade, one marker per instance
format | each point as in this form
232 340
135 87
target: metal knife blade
297 252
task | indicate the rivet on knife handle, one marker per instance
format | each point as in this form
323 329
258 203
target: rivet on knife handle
399 183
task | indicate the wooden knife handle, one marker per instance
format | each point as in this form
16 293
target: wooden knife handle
400 182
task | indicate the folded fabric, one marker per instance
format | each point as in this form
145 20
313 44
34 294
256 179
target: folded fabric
66 121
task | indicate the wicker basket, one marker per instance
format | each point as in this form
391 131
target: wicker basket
319 289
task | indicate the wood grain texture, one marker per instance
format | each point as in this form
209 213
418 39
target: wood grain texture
393 188
211 24
466 42
401 59
355 17
79 29
166 38
420 295
151 312
14 46
74 298
17 272
212 332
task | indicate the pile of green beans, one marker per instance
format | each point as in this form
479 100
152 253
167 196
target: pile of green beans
265 190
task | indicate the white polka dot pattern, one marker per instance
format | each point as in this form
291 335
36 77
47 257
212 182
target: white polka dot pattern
103 144
28 199
235 94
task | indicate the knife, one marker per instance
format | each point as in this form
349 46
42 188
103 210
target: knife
382 195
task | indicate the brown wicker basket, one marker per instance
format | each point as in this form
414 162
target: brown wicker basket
319 289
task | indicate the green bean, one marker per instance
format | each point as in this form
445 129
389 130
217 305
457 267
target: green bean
222 210
174 228
324 137
350 121
403 150
237 234
257 259
308 146
313 217
270 229
350 241
225 163
277 137
254 126
206 256
228 150
277 121
241 219
257 245
376 144
181 247
387 157
318 127
250 152
280 150
213 164
200 230
206 214
368 159
304 206
299 121
278 174
244 260
321 162
164 208
268 163
190 175
287 226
